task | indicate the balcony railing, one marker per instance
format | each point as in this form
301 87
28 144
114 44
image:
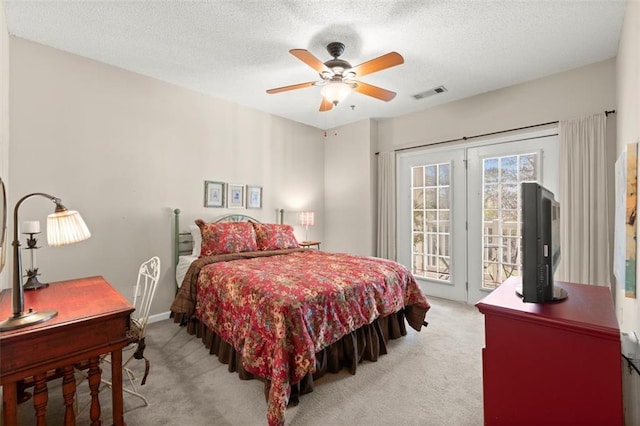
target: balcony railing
500 256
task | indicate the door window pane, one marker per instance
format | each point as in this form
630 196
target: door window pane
529 167
444 174
418 199
429 174
417 177
501 230
431 256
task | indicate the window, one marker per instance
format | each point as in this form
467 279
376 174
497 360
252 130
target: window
501 230
431 209
459 213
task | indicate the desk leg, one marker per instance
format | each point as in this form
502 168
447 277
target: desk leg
40 398
94 375
116 388
68 394
9 403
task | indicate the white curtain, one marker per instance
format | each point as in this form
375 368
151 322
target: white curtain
386 226
584 206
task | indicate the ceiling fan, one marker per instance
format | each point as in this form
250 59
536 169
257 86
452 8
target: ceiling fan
338 77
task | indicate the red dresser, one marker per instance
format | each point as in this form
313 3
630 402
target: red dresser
554 363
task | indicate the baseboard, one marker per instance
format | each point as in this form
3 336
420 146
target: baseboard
159 317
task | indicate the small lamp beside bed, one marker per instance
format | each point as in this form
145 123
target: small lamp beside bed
306 219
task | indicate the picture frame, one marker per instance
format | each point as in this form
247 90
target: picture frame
235 196
214 195
254 197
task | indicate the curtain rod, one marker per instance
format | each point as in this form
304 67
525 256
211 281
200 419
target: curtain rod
464 138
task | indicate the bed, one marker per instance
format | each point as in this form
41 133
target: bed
287 315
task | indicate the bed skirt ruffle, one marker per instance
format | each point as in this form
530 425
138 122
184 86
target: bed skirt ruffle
366 343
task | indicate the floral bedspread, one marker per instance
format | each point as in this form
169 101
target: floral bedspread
278 311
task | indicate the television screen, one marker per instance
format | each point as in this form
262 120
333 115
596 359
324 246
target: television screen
540 244
555 235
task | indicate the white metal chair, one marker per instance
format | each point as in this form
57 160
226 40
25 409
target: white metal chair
148 277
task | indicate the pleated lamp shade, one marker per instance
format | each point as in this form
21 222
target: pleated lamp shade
66 227
306 218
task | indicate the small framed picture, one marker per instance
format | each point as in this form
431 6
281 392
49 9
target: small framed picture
254 197
235 196
213 194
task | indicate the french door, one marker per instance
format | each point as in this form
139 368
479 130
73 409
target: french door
459 212
495 174
431 211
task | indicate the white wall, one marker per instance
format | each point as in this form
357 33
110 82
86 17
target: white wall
571 94
349 187
628 131
4 124
125 150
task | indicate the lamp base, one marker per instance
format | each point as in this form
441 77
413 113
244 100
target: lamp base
33 283
25 319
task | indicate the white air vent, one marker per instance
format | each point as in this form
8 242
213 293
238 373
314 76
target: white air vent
431 92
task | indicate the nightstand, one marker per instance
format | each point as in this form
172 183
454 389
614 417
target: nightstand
309 244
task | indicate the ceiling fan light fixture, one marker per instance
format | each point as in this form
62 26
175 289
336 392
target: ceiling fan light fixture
348 75
335 91
337 76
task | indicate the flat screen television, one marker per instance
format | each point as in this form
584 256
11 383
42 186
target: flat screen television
540 245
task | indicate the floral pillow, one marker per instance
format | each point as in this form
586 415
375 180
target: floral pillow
271 236
226 237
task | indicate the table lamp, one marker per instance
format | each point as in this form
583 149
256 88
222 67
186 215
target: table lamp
63 227
306 219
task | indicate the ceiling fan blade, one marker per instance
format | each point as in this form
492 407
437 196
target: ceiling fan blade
292 87
374 91
381 62
306 57
325 105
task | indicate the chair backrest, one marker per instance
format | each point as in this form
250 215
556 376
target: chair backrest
148 277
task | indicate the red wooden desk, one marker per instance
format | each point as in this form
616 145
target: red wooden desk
93 319
552 363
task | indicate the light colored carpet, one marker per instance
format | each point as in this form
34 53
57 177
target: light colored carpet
429 378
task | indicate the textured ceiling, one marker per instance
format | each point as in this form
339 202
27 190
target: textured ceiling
235 50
